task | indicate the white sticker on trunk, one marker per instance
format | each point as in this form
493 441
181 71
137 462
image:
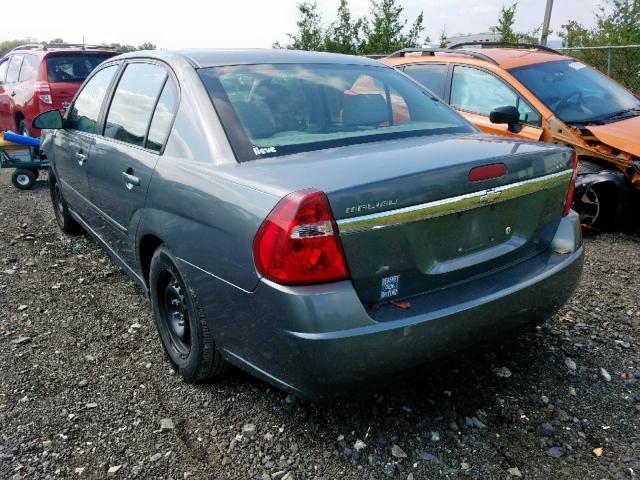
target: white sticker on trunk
576 65
389 287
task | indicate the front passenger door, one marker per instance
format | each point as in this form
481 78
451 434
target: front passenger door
72 145
476 92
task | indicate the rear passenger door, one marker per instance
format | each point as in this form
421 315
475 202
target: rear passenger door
136 127
24 100
475 92
4 95
11 80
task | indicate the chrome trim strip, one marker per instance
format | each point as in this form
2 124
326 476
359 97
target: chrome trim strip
448 206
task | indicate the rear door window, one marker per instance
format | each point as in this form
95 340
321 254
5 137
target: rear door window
476 91
432 76
72 68
85 111
3 71
29 68
162 117
14 68
133 103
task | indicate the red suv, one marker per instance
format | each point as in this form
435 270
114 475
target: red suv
36 78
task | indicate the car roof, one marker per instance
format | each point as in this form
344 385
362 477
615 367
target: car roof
204 57
506 58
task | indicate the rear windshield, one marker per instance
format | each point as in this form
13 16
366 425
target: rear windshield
270 110
73 68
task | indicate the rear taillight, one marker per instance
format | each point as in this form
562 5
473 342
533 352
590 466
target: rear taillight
43 92
298 243
572 185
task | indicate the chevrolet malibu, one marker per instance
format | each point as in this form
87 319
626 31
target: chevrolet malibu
318 220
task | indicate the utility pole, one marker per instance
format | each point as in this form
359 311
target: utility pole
545 25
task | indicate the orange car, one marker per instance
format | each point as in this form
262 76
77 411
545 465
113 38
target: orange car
535 93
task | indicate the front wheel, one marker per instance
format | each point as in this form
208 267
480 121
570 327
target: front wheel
183 330
597 205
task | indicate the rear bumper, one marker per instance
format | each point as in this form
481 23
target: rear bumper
320 340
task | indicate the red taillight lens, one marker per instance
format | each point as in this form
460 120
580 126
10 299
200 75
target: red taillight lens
572 185
298 243
43 92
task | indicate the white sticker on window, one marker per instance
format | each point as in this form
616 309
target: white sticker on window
389 287
576 65
263 150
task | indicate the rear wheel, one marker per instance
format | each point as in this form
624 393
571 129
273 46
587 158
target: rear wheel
23 179
60 209
597 205
24 129
183 330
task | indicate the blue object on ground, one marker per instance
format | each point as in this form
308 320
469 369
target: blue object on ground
21 139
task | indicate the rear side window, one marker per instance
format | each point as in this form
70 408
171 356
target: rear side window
431 76
133 103
162 117
84 113
3 71
72 68
29 68
14 68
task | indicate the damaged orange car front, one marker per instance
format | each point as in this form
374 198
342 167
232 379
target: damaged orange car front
537 94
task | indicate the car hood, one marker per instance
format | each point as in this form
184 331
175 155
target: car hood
623 135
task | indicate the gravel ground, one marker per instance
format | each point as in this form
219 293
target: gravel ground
86 393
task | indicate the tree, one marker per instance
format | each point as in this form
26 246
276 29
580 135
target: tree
147 46
443 39
505 24
310 30
343 35
7 45
618 23
384 31
573 34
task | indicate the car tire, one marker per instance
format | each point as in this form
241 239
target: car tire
23 179
23 129
60 209
598 205
183 330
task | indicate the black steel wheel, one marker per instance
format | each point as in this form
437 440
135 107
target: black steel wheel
174 313
180 321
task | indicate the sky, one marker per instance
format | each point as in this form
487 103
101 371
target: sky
257 23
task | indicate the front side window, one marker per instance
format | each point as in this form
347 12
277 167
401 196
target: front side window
133 103
577 93
84 113
432 76
29 68
278 109
14 68
476 91
3 71
72 68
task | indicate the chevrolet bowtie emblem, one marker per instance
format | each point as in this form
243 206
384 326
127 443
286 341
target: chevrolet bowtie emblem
490 197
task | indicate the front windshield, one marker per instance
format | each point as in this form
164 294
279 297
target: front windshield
577 93
278 109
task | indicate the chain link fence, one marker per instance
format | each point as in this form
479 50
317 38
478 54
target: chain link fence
621 63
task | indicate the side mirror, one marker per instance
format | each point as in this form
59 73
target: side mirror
51 119
508 115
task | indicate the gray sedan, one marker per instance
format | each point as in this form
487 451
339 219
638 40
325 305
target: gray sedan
318 220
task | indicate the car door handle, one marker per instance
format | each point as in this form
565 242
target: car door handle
82 158
130 180
13 94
